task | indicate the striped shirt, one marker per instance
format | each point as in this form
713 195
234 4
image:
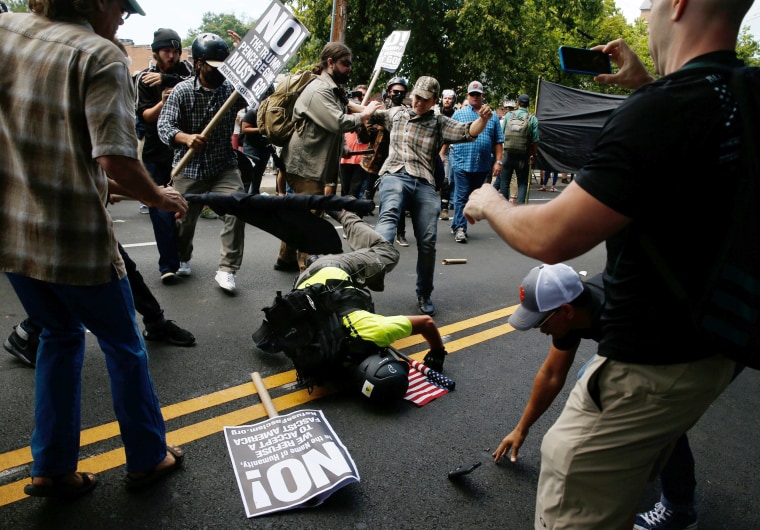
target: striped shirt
189 108
65 99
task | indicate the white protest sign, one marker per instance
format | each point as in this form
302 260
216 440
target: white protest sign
290 461
392 52
254 64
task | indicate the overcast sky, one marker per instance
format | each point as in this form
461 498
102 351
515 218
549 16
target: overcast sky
185 15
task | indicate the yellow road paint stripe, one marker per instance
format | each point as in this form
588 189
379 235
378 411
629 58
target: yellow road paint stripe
108 460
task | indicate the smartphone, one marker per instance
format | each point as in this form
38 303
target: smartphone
584 61
463 470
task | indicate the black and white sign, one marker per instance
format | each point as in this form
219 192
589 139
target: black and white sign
290 461
392 52
263 52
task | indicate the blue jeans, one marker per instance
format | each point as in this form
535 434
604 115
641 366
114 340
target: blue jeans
108 311
164 224
517 163
466 183
400 192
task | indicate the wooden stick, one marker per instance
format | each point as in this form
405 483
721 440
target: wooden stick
264 395
210 127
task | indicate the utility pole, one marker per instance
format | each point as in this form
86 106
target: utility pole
338 28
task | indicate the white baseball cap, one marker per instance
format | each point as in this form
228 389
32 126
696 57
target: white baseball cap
543 290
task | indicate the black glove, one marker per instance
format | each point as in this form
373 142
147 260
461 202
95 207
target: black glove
434 359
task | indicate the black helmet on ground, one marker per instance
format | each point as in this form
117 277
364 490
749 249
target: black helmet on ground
382 379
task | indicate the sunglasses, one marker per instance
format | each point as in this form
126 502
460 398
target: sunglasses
124 10
475 94
546 319
346 62
398 92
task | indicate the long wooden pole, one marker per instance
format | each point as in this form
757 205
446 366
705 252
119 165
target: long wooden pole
210 127
264 395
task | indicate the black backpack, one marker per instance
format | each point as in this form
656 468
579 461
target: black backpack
306 325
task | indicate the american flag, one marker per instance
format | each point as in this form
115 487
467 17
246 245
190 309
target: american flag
425 384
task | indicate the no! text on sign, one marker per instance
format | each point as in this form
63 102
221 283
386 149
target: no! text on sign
393 51
253 66
290 461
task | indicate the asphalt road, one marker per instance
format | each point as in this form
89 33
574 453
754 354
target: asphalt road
403 454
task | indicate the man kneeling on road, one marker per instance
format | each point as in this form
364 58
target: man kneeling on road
346 279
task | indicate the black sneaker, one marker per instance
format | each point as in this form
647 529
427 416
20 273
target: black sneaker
169 277
426 305
23 350
661 518
286 267
170 332
401 240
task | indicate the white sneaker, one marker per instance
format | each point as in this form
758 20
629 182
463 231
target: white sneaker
184 269
226 281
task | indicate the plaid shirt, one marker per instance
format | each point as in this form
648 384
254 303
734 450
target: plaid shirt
65 99
189 109
477 155
415 140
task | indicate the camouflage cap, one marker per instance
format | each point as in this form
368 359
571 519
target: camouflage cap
426 87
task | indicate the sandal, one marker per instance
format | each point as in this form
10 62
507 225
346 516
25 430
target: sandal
551 189
542 188
63 489
154 475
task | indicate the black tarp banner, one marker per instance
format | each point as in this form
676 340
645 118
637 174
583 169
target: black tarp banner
569 121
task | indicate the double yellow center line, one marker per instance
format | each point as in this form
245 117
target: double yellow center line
112 459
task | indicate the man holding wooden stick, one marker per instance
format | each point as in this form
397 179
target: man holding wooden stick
188 110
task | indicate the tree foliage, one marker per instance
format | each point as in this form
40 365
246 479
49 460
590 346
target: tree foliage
506 44
17 6
219 24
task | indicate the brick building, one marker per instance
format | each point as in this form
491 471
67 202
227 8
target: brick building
142 55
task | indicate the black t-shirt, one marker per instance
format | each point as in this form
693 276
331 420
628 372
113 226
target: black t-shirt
154 149
256 140
595 287
666 158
